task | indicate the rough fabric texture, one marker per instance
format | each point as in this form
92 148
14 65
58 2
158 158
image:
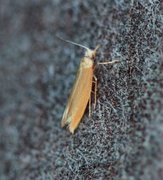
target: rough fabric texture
123 138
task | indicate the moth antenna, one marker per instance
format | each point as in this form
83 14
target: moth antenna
74 43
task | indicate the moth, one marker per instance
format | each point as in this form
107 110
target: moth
82 88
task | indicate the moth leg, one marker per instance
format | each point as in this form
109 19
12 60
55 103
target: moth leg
90 106
108 62
95 91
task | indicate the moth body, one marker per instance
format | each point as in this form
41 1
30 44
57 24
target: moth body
81 92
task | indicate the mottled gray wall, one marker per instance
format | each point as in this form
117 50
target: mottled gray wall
123 139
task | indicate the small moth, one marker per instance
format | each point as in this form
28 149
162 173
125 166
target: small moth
81 91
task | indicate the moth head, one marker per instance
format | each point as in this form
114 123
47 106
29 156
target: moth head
91 53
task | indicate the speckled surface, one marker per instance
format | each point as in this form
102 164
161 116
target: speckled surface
123 138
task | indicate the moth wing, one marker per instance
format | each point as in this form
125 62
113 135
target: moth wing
79 98
66 119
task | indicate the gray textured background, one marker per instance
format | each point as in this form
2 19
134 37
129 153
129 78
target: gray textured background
123 140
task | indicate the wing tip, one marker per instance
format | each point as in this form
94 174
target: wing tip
71 130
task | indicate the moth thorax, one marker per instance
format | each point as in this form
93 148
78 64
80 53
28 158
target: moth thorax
87 62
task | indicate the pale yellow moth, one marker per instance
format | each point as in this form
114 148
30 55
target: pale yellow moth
81 91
